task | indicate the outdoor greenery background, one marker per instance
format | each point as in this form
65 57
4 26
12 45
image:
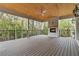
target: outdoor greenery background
12 27
66 27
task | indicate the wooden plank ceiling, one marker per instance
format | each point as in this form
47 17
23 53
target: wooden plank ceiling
38 11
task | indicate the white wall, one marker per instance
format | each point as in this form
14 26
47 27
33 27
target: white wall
51 34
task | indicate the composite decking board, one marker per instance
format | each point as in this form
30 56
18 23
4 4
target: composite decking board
72 53
75 53
38 50
48 50
62 48
42 45
47 53
42 50
70 48
65 49
59 48
75 49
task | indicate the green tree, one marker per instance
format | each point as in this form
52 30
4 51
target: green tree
65 28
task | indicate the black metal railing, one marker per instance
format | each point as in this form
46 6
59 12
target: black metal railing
15 34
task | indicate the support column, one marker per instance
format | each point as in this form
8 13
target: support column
77 28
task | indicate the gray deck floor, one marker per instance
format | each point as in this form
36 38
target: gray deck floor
47 46
55 47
